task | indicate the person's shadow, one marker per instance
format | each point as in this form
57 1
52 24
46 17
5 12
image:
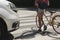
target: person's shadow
27 34
53 35
32 33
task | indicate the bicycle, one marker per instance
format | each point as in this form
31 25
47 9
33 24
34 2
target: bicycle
54 21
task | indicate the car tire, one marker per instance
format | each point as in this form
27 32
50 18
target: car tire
4 34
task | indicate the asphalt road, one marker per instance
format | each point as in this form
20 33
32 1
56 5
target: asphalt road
28 29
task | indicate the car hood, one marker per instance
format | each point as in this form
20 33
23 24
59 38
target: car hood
7 12
5 2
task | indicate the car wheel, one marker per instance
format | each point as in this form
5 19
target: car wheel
4 34
3 28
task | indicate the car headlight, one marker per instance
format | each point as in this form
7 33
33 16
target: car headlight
15 25
13 7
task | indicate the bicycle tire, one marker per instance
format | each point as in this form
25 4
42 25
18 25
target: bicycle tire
54 23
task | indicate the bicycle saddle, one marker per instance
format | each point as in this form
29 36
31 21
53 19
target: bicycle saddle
52 11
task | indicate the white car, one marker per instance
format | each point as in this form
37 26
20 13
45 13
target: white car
9 4
8 19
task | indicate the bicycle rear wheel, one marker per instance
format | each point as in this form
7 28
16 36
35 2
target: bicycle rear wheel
56 23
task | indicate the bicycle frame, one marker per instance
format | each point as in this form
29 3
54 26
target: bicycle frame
55 23
49 21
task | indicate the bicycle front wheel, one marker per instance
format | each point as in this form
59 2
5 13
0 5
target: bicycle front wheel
56 23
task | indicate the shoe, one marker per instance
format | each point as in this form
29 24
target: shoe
45 27
44 33
39 30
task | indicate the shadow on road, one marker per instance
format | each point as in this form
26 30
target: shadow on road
31 34
27 35
53 35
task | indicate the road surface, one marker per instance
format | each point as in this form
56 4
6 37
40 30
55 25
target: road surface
28 29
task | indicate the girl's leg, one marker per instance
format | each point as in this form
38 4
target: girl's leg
39 20
45 27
